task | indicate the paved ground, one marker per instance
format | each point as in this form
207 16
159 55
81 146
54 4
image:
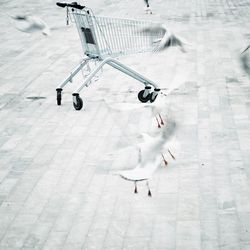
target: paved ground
57 190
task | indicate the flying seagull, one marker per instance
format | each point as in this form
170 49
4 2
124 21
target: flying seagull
150 159
30 24
152 149
150 156
168 40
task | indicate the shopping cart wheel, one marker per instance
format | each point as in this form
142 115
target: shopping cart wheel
154 94
77 101
59 96
144 95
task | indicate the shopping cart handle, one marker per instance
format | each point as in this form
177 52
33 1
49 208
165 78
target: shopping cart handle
72 5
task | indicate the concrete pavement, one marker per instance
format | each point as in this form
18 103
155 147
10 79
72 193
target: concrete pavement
57 188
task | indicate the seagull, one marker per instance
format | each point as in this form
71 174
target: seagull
168 39
245 60
150 153
30 24
155 144
149 161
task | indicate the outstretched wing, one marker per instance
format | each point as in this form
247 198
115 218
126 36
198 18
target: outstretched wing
140 172
169 39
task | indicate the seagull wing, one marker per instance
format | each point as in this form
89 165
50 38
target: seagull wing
134 175
168 39
141 171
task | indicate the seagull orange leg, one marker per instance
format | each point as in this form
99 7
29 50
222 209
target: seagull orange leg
159 126
162 123
171 154
165 162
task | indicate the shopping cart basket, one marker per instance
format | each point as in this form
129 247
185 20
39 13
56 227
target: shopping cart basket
103 39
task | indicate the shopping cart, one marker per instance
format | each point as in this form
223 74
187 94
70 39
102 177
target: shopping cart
103 39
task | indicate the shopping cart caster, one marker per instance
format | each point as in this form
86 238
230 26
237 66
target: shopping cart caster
77 101
154 94
59 96
144 95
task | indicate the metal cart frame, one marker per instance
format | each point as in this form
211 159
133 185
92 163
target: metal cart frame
103 39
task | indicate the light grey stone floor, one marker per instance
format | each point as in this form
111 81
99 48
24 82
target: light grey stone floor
57 188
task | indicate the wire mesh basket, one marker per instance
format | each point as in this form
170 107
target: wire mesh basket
106 38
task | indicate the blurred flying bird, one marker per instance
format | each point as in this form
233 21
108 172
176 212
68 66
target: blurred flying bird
153 145
31 24
168 39
150 159
152 148
151 155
